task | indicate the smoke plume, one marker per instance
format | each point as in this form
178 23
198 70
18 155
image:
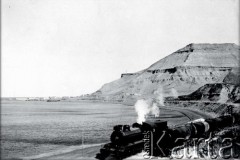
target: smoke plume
174 93
155 110
223 96
142 110
150 106
159 96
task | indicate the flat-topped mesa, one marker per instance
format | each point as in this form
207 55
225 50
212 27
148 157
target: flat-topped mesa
185 70
211 55
206 46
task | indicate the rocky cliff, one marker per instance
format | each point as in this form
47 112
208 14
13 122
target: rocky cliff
217 92
180 73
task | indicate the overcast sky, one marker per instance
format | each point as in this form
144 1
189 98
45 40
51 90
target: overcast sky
73 47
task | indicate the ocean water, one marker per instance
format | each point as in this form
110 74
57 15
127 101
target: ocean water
30 128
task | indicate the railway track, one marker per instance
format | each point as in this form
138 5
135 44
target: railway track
188 113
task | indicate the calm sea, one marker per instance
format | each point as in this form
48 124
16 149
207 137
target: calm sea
30 128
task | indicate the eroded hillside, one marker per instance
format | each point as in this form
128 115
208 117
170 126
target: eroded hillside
180 73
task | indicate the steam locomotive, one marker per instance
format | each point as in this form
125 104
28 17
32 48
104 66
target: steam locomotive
158 137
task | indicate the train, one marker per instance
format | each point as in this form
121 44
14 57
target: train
159 138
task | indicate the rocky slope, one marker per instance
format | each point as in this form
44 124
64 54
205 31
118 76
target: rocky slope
180 73
218 92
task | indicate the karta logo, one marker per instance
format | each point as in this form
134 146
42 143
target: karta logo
191 148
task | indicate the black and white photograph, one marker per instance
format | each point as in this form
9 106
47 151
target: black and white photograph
120 79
